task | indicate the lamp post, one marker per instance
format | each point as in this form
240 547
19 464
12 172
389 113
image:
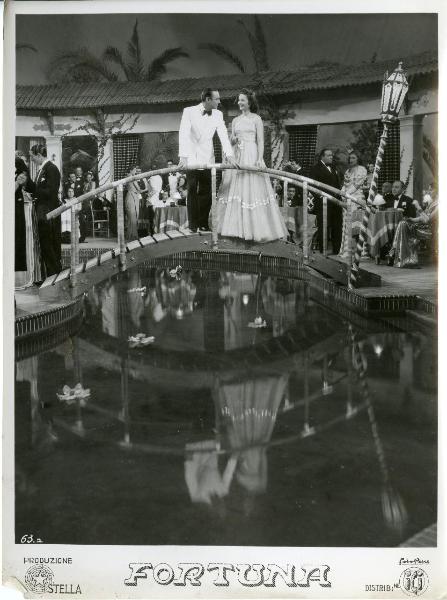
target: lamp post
394 90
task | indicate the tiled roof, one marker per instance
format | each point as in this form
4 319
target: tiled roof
316 77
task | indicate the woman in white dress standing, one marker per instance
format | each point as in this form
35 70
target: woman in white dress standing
247 207
353 182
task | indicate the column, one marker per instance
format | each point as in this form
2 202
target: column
411 153
105 165
54 150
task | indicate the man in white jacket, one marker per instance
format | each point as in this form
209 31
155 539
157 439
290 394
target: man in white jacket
197 128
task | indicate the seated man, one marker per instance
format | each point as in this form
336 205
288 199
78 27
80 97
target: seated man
400 201
387 195
293 198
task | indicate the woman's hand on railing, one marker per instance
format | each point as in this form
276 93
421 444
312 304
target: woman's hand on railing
231 161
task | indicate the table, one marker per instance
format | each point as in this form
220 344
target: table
381 229
170 218
293 218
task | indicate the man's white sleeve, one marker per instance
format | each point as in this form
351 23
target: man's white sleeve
184 135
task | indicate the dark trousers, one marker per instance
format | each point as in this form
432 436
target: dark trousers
50 245
198 198
84 218
335 222
334 226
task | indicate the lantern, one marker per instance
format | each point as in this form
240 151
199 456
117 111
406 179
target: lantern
394 90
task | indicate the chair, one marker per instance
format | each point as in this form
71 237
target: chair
100 219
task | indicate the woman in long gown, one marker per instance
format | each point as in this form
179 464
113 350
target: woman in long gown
247 207
353 182
404 252
132 206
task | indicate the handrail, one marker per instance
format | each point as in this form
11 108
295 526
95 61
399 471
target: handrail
314 186
308 185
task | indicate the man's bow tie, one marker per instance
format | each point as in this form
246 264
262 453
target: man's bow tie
207 112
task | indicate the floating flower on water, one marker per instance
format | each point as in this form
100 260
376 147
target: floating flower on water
71 395
257 323
140 340
141 290
176 273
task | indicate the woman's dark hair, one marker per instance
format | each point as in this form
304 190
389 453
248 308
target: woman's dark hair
251 97
359 162
39 149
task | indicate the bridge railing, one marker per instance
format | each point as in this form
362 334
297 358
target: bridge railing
328 194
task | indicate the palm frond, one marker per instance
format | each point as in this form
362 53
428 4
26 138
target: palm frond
158 66
254 46
261 44
135 64
26 47
112 54
72 64
224 53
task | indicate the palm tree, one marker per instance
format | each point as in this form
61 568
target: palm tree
258 45
82 66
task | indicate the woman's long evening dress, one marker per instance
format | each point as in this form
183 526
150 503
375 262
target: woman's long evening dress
354 179
247 207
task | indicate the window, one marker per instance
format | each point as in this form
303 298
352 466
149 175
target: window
126 150
303 144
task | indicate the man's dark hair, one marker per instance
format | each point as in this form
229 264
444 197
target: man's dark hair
320 156
39 149
399 181
207 93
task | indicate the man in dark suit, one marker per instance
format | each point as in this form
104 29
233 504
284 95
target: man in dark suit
47 198
325 172
399 200
22 183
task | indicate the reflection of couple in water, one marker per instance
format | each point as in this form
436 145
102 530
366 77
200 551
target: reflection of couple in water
246 411
247 207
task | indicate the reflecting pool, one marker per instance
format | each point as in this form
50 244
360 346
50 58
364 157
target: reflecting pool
222 408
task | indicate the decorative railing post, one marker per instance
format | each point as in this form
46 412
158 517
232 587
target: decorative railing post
214 205
120 225
74 244
349 235
284 197
324 225
305 226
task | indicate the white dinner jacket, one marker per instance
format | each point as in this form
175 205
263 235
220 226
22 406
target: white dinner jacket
196 135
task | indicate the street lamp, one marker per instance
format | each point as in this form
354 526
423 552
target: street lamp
394 90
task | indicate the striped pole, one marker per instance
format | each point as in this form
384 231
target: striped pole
214 205
120 225
353 278
74 254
